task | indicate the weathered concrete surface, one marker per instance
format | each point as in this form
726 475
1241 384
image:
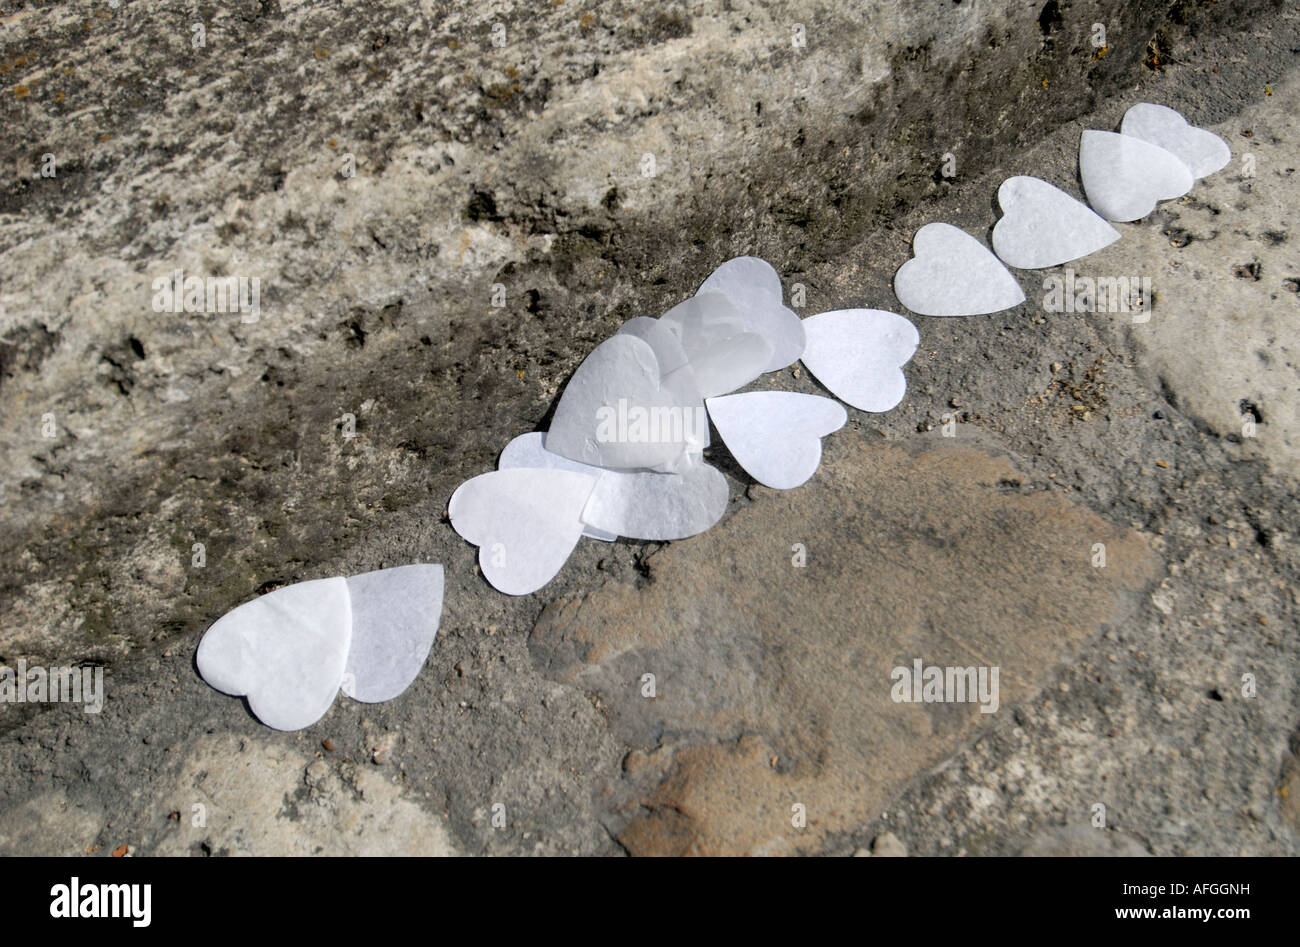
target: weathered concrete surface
522 165
776 690
266 800
1226 276
1082 840
476 165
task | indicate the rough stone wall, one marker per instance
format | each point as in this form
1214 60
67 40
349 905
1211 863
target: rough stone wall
522 165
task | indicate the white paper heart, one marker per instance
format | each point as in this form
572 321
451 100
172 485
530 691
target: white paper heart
1124 176
524 521
619 412
529 451
632 497
662 340
285 651
859 354
953 274
754 287
724 355
658 506
1043 226
395 615
1202 151
776 435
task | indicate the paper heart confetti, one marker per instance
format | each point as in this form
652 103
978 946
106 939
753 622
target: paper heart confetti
859 354
529 451
600 472
292 650
754 287
525 522
285 651
604 469
662 340
658 506
1124 176
776 435
395 616
683 505
723 353
619 411
1043 226
1202 151
953 274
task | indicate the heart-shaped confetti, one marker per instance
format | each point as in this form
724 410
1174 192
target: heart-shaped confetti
395 615
658 506
953 274
524 521
285 651
776 435
723 354
619 411
529 451
753 286
1124 176
662 340
603 470
291 650
859 354
1043 226
1202 151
